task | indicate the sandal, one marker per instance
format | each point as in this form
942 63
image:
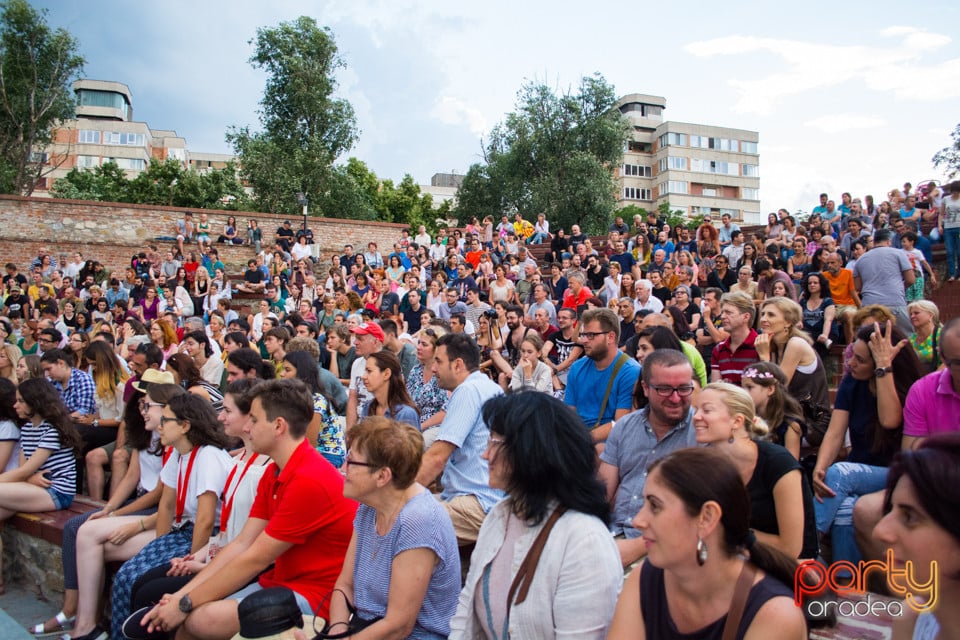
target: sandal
63 623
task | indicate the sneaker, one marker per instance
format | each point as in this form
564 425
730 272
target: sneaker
133 630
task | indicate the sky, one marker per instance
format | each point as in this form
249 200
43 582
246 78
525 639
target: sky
846 96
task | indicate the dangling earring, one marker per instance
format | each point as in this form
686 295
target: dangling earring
731 438
701 551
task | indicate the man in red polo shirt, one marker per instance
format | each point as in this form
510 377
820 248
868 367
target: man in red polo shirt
300 522
577 294
736 353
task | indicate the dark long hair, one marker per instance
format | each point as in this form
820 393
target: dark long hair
699 475
44 400
8 396
934 470
397 394
549 454
204 427
906 371
186 368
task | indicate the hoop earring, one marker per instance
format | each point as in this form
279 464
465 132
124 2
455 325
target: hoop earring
701 551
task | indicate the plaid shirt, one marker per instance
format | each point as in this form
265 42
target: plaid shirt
79 394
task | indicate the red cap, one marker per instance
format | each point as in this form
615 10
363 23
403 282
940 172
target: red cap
369 328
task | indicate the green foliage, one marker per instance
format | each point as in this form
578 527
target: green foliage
948 158
304 127
163 183
37 68
554 154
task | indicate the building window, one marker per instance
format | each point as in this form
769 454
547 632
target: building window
719 144
636 193
110 99
710 192
637 170
748 147
178 154
85 162
131 164
733 213
715 166
751 170
748 193
679 139
674 162
88 136
673 186
38 157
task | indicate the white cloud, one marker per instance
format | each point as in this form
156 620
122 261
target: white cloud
450 110
815 65
840 122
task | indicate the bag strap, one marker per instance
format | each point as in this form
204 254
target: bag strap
621 360
739 603
933 346
528 567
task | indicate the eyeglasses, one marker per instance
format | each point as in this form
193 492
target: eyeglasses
494 442
355 463
146 404
590 335
165 419
665 391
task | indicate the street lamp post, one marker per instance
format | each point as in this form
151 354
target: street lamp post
302 201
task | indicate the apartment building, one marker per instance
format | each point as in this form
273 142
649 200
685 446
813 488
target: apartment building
698 168
104 129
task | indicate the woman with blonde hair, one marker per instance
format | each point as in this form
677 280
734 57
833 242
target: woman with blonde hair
781 502
925 339
785 344
29 367
110 380
10 355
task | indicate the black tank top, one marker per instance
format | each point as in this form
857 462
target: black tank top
656 615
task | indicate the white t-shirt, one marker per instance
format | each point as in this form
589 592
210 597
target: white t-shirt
356 384
9 431
300 251
243 490
209 473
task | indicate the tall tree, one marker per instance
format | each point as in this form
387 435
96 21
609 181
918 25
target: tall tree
948 158
37 67
304 126
554 154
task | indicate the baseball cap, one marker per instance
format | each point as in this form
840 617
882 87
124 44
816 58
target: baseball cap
152 377
369 328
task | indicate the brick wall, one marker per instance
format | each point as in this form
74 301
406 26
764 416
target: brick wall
112 232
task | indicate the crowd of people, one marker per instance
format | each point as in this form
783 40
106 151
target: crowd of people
457 439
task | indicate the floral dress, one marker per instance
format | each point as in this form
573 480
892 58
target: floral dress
428 396
330 440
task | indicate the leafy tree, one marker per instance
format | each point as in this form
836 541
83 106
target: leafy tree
948 158
304 127
163 183
553 154
37 68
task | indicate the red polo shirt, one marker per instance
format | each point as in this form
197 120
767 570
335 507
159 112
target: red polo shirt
731 364
304 505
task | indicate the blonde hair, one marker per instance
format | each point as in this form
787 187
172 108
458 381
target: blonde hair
13 355
792 314
739 403
929 307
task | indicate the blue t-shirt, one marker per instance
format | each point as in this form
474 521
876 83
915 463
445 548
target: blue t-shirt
855 397
423 523
586 387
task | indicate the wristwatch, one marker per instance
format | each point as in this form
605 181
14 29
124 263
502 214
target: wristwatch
186 604
879 372
96 423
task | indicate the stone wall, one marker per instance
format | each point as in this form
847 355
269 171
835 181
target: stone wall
32 563
113 232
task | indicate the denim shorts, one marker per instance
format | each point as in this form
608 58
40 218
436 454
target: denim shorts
60 500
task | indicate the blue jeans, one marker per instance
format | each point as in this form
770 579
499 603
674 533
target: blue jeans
952 239
537 238
849 481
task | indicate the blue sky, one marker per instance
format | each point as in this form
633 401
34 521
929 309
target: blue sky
847 96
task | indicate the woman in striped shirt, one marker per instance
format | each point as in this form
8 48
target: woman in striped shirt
49 443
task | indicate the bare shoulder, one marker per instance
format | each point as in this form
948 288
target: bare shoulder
780 618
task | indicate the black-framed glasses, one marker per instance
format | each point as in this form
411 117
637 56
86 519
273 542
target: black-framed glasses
665 391
165 419
349 462
590 335
146 404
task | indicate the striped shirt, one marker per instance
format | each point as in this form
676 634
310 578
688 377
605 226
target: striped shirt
731 364
61 466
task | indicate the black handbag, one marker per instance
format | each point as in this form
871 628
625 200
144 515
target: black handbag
356 624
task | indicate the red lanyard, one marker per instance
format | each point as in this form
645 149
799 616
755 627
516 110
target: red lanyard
166 455
228 500
182 483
